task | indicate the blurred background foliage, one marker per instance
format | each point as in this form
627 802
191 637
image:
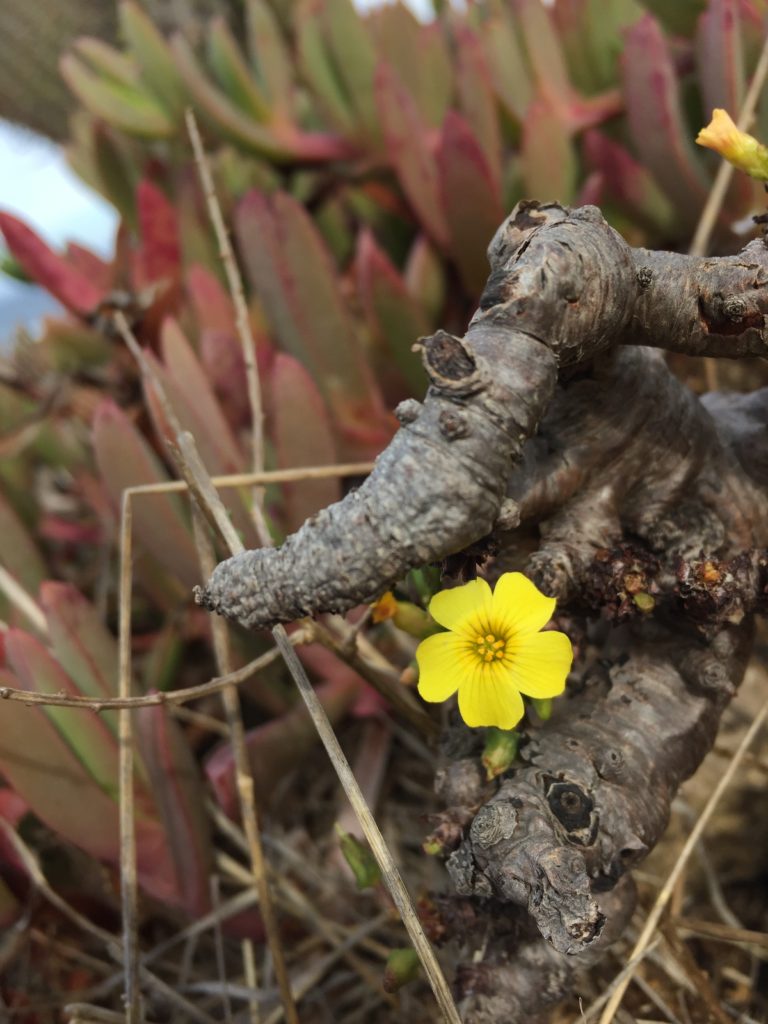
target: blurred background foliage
363 163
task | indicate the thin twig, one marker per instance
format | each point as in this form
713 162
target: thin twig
688 848
242 319
128 877
271 476
170 697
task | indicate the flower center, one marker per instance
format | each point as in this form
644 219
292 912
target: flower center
489 648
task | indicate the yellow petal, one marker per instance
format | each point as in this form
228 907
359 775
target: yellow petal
541 663
451 608
487 697
443 664
738 147
519 607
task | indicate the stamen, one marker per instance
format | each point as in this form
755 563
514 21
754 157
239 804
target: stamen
499 654
499 644
479 641
490 638
488 656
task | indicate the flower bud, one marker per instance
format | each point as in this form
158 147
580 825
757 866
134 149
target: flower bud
738 148
500 751
402 967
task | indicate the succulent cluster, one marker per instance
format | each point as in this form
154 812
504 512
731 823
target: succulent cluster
363 164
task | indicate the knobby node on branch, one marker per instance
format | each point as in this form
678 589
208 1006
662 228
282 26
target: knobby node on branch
554 410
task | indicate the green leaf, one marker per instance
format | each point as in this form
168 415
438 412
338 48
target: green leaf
354 56
478 102
549 162
18 552
424 278
120 105
318 70
86 734
361 861
153 56
506 61
232 72
83 645
419 56
43 769
270 56
108 61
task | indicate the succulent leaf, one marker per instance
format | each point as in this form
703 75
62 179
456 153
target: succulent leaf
410 152
127 108
395 320
296 402
295 281
233 74
153 56
658 131
72 288
125 460
463 165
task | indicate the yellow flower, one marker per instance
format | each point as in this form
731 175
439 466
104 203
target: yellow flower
494 651
738 148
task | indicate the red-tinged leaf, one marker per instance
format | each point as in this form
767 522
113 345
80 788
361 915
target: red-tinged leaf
158 228
419 56
591 33
283 744
627 182
464 171
507 65
478 102
545 52
12 809
41 766
296 284
178 793
659 134
72 288
213 306
297 404
160 527
18 552
83 645
719 56
721 74
548 159
222 359
87 736
97 270
198 410
196 404
395 319
409 151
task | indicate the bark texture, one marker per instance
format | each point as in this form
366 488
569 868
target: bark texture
564 288
652 509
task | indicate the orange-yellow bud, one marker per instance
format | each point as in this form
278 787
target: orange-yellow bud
738 148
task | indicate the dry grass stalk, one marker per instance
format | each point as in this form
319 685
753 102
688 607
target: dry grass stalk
128 877
242 319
